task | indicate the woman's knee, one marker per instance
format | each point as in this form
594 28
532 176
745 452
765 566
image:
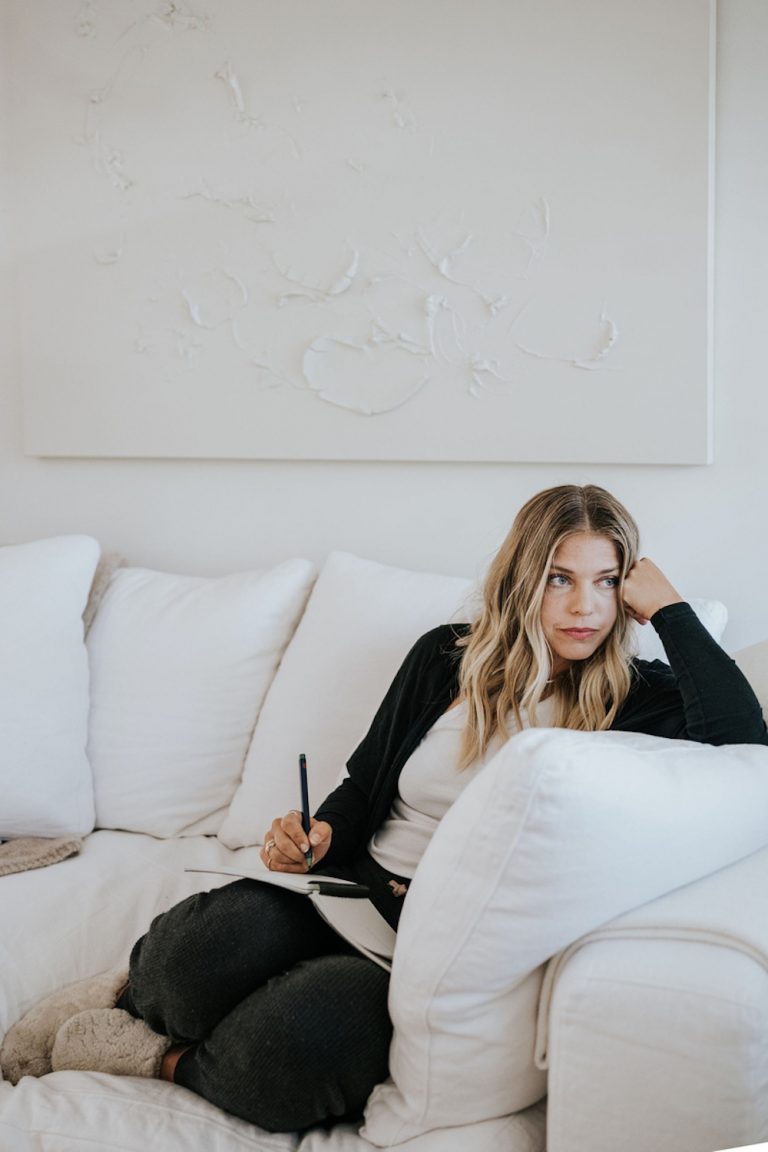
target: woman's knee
171 964
203 956
307 1048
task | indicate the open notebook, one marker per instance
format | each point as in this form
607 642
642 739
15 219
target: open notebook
355 919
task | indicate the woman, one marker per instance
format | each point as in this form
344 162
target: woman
244 994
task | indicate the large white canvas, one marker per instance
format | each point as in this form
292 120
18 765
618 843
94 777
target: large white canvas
419 230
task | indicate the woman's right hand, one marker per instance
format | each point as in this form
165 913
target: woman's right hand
646 590
286 843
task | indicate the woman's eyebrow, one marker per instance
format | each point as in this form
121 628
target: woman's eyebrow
570 572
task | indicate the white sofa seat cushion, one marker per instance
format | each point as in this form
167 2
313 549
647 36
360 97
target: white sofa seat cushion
180 666
80 1111
361 619
560 833
46 787
523 1132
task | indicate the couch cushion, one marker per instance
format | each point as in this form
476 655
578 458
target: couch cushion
560 833
45 778
179 667
79 1111
361 619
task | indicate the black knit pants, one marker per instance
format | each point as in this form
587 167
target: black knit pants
288 1025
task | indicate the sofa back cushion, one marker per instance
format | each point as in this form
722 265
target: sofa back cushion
45 778
561 832
180 666
360 622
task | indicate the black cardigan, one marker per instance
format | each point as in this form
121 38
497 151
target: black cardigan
701 695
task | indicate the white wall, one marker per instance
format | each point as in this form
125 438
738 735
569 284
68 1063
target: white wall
703 524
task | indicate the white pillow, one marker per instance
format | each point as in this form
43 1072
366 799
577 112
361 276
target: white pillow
45 778
713 615
180 666
561 832
360 622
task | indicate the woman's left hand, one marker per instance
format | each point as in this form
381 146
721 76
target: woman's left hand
646 590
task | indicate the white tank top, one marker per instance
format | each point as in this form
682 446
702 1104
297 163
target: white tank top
429 783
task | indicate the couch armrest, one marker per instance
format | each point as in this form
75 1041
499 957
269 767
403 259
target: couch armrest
658 1044
655 1027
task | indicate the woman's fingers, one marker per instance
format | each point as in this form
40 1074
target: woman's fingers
646 589
277 861
319 839
286 843
290 837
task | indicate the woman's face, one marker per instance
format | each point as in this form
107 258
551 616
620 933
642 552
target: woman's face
581 600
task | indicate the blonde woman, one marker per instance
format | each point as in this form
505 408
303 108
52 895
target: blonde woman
244 994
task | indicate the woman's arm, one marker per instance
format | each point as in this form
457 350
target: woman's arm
706 697
718 702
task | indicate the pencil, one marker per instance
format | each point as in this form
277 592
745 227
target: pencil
305 821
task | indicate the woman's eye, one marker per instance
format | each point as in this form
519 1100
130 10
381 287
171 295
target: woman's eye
611 582
557 580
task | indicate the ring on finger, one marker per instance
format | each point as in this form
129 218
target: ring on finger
269 846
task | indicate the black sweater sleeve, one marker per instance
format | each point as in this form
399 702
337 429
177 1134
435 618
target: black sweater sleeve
702 695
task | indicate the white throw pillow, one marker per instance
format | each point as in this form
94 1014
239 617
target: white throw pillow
713 615
360 622
561 832
180 666
45 778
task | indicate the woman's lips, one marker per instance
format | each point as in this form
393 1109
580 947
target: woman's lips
579 633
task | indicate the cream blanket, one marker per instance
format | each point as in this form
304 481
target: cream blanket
35 852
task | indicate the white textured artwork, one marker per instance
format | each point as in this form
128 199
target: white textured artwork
420 230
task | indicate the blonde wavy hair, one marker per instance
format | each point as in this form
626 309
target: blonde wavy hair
507 663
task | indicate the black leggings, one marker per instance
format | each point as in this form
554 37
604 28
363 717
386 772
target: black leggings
288 1024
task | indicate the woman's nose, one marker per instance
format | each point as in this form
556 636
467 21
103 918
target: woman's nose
581 600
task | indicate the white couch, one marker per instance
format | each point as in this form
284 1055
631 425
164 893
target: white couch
595 978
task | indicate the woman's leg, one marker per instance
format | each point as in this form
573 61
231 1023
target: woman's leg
305 1048
203 956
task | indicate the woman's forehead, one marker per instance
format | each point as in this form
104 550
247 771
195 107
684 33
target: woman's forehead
586 550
